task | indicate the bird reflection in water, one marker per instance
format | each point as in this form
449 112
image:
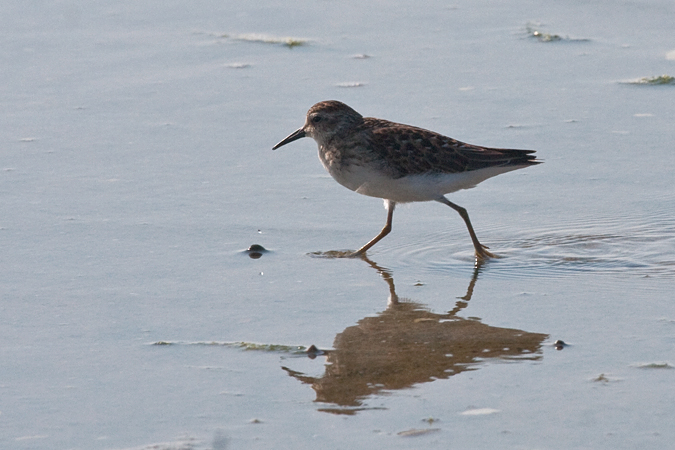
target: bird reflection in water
407 344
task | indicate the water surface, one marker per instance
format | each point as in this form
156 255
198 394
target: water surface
137 169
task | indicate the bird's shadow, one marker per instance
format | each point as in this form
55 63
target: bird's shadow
407 344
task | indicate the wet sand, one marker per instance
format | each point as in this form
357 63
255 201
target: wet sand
137 169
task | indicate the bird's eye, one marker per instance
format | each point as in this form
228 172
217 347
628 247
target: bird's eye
316 119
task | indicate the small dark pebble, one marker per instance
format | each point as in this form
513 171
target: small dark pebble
559 344
313 352
255 251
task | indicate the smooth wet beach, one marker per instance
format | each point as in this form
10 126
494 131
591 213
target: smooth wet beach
160 287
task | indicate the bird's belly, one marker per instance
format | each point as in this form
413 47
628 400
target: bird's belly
411 188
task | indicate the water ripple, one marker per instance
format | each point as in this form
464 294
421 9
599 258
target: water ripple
604 246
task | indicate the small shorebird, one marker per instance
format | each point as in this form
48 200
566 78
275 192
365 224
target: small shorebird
401 163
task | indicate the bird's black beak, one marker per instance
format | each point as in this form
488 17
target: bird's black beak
290 138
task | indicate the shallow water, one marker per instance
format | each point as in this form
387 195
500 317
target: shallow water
137 169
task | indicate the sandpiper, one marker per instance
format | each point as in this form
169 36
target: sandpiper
401 163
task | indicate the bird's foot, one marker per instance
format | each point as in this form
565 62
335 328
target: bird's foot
338 254
482 253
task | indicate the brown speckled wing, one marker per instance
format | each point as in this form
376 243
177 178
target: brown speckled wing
410 150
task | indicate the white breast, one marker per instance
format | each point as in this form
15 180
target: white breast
412 188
